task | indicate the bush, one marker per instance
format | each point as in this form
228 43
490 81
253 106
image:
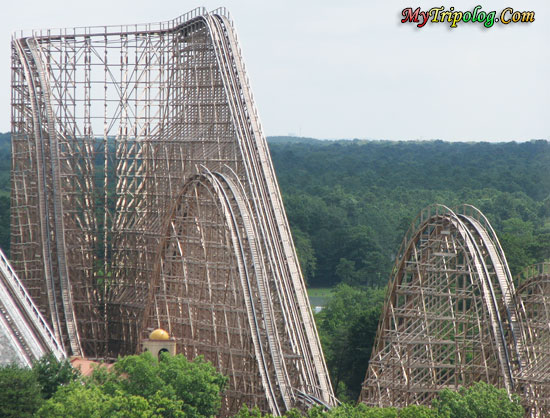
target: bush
20 394
89 401
350 411
480 400
141 386
52 373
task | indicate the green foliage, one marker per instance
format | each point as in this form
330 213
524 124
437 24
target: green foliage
196 382
523 245
22 390
347 326
415 411
319 296
478 401
20 395
342 250
255 412
52 373
360 411
74 400
354 200
142 386
83 401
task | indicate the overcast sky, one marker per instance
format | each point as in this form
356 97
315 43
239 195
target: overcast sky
351 69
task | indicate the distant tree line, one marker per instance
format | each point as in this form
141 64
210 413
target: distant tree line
349 203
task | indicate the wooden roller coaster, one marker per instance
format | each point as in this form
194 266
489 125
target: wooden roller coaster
144 196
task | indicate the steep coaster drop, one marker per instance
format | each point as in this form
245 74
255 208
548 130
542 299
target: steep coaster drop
143 196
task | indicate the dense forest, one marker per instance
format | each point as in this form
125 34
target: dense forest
349 203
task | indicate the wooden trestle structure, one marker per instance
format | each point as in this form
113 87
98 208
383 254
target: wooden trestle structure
533 294
143 196
452 317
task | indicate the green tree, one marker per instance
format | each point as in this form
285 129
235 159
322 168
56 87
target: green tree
20 395
142 386
306 254
196 382
89 401
417 411
246 412
477 401
76 401
363 411
355 199
347 328
52 373
480 400
363 257
517 238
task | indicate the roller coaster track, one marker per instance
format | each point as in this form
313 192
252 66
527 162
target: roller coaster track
23 53
450 317
20 320
273 220
144 196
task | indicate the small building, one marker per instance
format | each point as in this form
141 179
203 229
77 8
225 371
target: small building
159 341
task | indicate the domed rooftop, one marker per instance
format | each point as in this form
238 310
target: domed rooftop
159 334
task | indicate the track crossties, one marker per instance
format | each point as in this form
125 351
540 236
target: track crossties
25 334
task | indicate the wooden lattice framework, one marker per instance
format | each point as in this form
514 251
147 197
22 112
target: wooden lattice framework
450 318
533 295
143 195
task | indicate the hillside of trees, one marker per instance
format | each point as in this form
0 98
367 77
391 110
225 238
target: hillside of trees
349 203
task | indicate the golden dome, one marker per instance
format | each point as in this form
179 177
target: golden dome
159 334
